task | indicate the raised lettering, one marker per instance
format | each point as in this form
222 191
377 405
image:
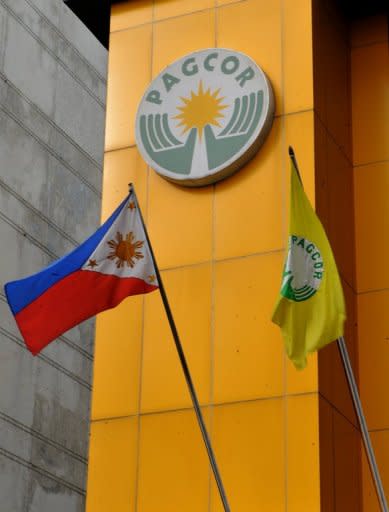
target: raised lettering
301 243
316 255
154 97
310 248
318 264
207 61
294 239
227 68
169 80
247 74
189 71
318 275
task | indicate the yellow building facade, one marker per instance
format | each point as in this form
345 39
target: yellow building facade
284 440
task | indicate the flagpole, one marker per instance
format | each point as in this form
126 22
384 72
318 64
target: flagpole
185 367
356 399
362 423
293 158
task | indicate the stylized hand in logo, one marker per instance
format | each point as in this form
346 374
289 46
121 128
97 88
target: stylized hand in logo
245 117
163 147
176 156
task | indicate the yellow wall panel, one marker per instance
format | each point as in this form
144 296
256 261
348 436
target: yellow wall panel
129 71
297 55
374 354
163 9
332 379
332 72
370 115
303 482
372 226
346 462
112 466
163 384
333 382
221 249
117 360
249 441
248 206
370 97
176 37
173 466
298 381
299 135
249 353
380 441
259 36
341 211
121 168
131 13
337 85
327 491
223 2
180 223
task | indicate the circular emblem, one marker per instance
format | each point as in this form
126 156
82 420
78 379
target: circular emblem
204 116
304 270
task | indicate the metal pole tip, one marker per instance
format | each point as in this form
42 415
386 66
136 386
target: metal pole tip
291 152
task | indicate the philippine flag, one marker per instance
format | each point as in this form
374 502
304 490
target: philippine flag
112 264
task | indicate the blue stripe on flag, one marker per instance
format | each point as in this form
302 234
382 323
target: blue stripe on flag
24 291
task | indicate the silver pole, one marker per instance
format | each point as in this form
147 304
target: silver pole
185 368
362 423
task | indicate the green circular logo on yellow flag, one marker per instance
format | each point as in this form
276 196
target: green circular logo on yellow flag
204 116
304 270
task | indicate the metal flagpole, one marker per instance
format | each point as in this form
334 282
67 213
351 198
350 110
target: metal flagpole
185 367
362 423
356 399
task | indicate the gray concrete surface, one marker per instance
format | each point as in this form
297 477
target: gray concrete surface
52 113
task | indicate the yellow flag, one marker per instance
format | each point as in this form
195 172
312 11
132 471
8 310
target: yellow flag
310 309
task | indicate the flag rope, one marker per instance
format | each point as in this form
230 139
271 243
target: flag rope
185 367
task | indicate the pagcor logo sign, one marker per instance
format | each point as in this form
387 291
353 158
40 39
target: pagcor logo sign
204 116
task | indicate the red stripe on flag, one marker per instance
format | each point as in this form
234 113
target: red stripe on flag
74 299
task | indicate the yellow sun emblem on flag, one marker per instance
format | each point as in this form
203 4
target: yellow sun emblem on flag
200 109
125 251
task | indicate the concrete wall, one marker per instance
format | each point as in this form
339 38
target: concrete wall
52 112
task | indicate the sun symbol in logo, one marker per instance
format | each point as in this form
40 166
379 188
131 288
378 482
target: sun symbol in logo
125 251
200 109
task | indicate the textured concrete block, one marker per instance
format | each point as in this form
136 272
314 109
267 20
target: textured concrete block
29 66
3 34
68 359
17 377
82 70
85 42
18 256
24 163
71 204
34 22
60 408
14 439
49 8
13 476
76 111
47 495
52 107
76 157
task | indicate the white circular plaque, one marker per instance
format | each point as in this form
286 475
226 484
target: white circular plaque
204 116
